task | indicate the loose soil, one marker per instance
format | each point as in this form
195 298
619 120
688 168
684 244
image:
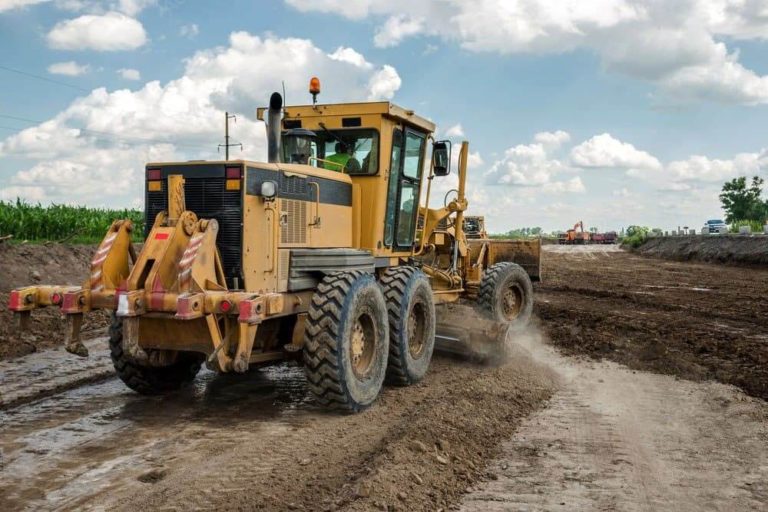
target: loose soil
618 439
731 249
32 264
257 442
694 320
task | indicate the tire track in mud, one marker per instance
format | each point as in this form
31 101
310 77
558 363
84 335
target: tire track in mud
257 441
46 373
90 443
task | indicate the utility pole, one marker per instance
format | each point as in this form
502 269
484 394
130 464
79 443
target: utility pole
227 145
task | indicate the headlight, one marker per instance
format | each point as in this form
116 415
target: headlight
269 189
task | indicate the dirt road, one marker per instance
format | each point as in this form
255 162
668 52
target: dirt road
617 439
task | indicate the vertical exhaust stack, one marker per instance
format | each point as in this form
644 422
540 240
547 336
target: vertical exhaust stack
274 127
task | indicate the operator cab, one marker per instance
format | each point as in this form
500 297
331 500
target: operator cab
383 149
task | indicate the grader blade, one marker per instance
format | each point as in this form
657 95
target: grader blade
463 331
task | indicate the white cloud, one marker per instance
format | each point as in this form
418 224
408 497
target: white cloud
31 194
112 31
663 194
605 151
8 5
343 54
129 74
384 83
622 192
552 140
132 7
397 28
676 45
455 132
190 31
701 168
573 185
108 136
69 68
528 165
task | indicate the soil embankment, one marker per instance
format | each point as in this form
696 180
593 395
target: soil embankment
32 264
695 320
730 249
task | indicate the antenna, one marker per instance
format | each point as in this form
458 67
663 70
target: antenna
285 102
227 145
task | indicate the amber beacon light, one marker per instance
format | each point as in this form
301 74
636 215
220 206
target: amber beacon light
314 88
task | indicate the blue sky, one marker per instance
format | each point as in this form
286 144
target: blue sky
610 111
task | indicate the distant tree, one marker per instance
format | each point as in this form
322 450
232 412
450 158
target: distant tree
742 202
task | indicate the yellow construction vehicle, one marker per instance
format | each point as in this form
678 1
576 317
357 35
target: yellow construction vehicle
315 255
474 227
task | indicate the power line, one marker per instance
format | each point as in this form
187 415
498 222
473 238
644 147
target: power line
45 79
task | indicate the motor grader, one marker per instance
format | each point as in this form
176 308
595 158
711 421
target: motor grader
316 255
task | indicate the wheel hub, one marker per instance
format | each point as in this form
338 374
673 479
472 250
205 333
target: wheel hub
512 302
416 330
362 346
358 342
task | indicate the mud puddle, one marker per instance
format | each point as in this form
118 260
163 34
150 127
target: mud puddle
51 371
64 451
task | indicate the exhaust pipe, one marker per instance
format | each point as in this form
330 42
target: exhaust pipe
274 127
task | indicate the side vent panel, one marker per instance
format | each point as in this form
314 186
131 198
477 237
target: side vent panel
284 261
294 228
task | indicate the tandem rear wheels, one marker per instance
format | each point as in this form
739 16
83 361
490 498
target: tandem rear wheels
359 331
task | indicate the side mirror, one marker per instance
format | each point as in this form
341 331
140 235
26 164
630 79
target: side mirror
441 157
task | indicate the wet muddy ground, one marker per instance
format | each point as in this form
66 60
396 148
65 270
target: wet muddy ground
258 442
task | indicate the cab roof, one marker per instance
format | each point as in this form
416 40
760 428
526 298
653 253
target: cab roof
383 108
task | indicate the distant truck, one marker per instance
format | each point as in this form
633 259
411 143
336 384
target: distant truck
714 227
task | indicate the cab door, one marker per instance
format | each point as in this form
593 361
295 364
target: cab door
407 165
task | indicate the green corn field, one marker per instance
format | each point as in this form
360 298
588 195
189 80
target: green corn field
60 223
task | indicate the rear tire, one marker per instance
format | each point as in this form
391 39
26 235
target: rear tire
411 311
345 341
506 295
150 380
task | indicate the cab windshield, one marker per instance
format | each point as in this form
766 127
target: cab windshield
348 151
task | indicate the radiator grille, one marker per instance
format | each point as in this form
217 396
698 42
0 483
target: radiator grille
293 185
294 229
209 199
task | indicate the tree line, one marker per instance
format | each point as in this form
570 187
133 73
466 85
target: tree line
743 201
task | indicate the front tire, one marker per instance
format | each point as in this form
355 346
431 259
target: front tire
150 380
411 324
345 341
506 295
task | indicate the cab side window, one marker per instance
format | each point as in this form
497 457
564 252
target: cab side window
404 184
